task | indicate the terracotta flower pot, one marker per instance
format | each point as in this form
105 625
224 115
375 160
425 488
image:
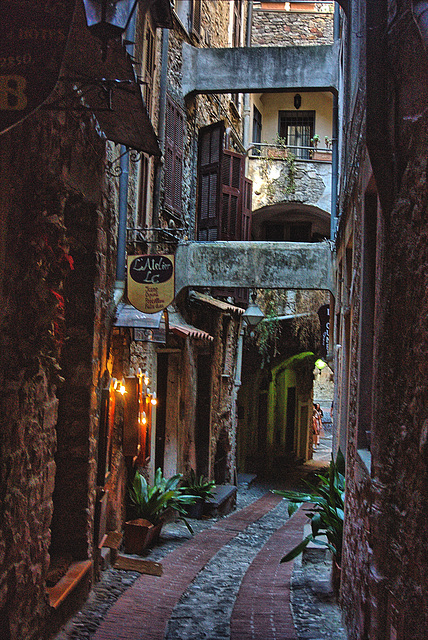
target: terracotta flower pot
140 534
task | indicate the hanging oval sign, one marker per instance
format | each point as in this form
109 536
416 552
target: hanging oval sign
151 285
151 269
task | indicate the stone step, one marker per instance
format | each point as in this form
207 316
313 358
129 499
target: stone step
314 552
222 500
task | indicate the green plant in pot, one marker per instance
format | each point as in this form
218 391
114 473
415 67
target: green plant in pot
150 506
327 513
201 489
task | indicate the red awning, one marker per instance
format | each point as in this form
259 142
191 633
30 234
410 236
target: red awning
192 332
180 327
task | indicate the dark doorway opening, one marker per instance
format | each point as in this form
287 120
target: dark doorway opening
291 418
161 386
203 410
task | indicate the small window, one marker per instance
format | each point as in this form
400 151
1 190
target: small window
297 128
257 131
149 68
196 18
174 142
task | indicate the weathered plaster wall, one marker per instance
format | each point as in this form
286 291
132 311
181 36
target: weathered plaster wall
276 181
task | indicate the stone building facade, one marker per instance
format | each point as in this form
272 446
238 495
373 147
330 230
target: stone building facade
59 229
74 206
306 25
380 337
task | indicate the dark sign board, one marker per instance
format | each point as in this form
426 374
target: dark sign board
33 36
324 316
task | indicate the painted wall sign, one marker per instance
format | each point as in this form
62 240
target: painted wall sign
151 282
33 35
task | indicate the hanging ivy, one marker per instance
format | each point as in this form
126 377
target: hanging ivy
268 332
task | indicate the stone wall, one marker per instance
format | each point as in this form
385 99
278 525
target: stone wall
384 590
46 168
284 29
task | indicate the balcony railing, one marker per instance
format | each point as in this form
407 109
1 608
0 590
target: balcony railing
281 152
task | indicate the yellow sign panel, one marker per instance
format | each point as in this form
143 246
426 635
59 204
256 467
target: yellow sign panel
151 282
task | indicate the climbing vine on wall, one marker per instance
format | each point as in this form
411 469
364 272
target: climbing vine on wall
279 151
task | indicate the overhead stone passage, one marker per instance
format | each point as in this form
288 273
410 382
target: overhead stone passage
264 265
258 69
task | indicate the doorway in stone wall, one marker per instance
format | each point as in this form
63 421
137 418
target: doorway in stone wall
203 413
161 388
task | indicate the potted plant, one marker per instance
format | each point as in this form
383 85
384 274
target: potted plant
278 150
150 505
326 514
201 489
315 140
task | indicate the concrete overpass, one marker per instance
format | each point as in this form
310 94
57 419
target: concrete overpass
264 265
258 69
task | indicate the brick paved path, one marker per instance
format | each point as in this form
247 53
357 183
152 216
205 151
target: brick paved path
262 609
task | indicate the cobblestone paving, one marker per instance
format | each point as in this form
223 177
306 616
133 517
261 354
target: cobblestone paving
315 612
205 609
203 613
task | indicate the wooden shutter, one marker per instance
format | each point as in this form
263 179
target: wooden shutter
224 193
209 180
196 17
232 178
174 142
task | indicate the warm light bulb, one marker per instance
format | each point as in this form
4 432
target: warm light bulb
144 418
154 400
122 388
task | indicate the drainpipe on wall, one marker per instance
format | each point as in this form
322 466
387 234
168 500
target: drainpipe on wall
335 140
119 286
238 370
247 110
161 124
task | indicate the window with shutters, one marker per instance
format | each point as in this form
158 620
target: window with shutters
196 17
224 193
224 196
210 155
174 141
149 68
257 131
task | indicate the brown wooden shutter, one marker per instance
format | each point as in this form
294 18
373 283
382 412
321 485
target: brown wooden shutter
174 142
209 180
196 17
232 178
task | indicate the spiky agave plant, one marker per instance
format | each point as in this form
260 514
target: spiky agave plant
327 514
152 502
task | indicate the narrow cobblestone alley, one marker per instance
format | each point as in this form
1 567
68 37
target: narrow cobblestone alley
223 583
